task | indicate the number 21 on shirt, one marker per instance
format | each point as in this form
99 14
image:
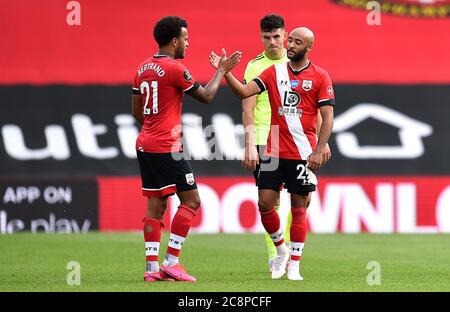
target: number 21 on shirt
145 88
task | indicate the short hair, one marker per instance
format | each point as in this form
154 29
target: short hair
271 22
167 28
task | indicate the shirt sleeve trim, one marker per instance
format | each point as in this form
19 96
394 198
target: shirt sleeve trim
192 88
260 84
326 102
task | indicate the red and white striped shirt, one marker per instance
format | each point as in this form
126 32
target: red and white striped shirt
295 98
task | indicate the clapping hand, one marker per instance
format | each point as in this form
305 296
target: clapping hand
223 63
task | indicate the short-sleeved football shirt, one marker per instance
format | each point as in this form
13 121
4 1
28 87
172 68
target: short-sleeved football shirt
295 98
162 81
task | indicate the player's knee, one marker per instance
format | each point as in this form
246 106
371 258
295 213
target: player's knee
156 212
156 207
308 201
300 201
193 203
196 203
277 203
264 205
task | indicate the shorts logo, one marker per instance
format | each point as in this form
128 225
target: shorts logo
294 83
307 85
190 179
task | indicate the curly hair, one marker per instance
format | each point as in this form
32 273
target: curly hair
271 22
167 28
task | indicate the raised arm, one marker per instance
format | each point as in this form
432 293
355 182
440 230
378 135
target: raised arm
241 90
225 64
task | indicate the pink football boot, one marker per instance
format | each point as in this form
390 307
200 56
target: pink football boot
176 272
152 277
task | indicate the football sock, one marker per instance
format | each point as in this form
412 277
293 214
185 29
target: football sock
298 232
152 266
170 260
270 246
294 265
282 249
181 224
152 238
271 223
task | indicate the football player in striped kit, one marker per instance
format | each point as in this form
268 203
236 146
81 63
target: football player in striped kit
298 91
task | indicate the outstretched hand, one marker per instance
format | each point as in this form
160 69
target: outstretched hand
224 63
214 59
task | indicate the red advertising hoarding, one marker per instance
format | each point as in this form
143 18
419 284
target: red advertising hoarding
341 204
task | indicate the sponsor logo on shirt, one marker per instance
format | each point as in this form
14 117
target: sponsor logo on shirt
290 102
291 99
286 111
294 83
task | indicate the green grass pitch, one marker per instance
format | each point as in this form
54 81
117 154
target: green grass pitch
224 262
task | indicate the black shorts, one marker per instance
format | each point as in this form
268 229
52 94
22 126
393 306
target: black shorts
260 149
163 174
297 178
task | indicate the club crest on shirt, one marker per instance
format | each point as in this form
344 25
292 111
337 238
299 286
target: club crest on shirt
307 85
190 178
294 83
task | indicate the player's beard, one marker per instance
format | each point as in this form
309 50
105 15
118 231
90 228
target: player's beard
179 53
299 56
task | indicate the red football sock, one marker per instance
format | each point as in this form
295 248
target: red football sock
152 237
181 224
271 222
298 232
